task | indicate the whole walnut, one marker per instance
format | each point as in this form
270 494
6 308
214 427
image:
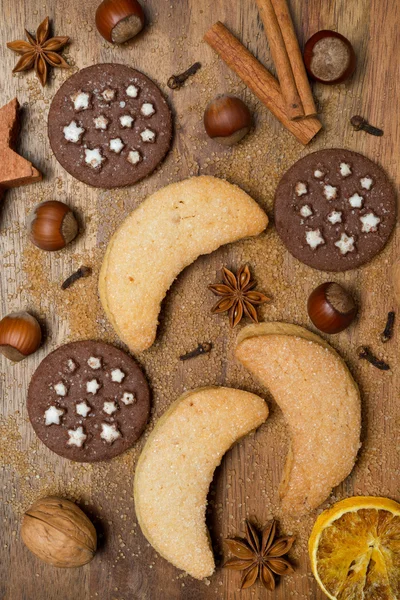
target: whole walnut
59 533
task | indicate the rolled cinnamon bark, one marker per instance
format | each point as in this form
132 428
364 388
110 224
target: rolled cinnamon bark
290 94
259 80
296 59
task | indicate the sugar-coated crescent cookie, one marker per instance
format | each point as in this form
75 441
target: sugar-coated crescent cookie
176 468
321 404
165 234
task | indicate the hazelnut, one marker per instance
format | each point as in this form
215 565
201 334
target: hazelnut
119 20
52 225
59 533
20 336
227 120
329 57
331 308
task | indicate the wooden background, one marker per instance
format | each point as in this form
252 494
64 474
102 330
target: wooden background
126 567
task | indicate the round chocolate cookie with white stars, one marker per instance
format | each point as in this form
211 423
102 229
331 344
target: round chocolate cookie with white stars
109 125
88 401
335 209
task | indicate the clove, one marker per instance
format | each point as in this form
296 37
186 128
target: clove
201 349
389 327
365 353
81 272
359 122
177 81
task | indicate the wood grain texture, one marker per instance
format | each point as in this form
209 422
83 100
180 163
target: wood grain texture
126 567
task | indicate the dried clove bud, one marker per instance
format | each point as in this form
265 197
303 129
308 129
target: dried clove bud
201 349
359 122
81 272
177 81
365 353
388 331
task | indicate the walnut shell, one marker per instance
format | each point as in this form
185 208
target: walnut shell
59 533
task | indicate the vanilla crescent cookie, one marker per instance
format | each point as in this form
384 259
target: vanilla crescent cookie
165 234
176 468
319 400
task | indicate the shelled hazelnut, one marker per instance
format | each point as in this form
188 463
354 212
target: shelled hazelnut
331 308
52 225
119 20
20 336
227 120
329 57
59 533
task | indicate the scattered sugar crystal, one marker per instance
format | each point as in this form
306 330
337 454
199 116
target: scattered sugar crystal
73 132
60 389
126 121
94 362
148 136
318 174
345 169
92 386
101 122
300 188
117 145
314 238
356 201
369 222
109 407
81 100
93 158
306 211
109 433
52 415
128 398
147 109
366 183
345 244
335 217
77 437
83 409
134 157
132 91
117 375
330 192
122 104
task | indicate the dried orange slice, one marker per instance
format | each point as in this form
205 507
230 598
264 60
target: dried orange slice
355 549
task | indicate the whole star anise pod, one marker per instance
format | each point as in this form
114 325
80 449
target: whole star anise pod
40 52
238 297
260 559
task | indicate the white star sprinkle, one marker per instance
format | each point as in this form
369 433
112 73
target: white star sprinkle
52 415
77 437
345 244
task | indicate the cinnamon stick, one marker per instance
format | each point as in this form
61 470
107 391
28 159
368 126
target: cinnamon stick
287 82
259 80
296 60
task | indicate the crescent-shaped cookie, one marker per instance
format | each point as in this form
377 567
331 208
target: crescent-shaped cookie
176 467
166 233
320 402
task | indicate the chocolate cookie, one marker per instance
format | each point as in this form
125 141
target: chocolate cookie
335 209
88 401
109 125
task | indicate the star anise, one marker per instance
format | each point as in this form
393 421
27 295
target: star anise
260 559
40 52
238 297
